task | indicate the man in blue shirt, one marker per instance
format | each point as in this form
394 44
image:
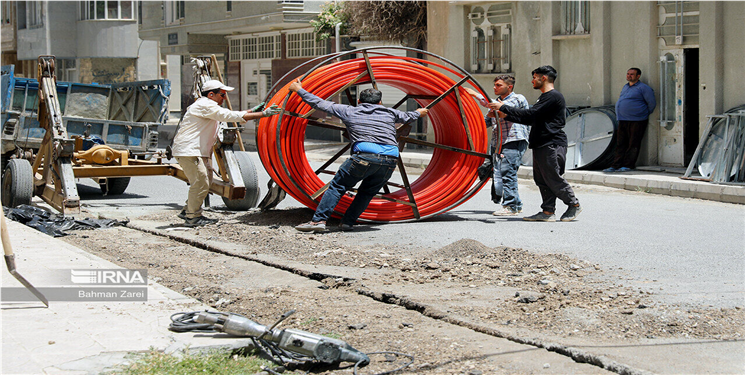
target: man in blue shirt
372 131
633 108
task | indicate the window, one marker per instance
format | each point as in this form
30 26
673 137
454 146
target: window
66 70
7 11
229 6
21 13
31 14
174 11
491 46
106 10
667 91
252 88
575 17
235 49
678 22
304 45
255 47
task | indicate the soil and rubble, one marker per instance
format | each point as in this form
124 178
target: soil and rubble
537 295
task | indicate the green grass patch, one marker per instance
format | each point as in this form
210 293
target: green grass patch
308 321
332 335
218 362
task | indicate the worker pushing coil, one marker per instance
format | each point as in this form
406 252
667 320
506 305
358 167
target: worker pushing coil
459 144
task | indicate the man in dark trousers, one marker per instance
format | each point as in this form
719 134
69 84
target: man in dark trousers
372 132
549 144
633 108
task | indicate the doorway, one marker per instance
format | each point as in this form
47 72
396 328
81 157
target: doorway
691 99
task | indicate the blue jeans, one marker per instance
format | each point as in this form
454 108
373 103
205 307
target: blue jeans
372 169
505 173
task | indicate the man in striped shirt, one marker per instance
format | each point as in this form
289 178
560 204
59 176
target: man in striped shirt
372 131
514 142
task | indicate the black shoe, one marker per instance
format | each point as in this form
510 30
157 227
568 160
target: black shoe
346 227
200 221
572 213
182 215
541 216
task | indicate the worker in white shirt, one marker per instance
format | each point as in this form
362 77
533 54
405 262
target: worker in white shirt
195 138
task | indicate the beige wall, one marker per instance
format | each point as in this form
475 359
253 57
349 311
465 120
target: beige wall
107 70
592 67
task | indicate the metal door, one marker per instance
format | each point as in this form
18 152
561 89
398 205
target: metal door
671 150
255 82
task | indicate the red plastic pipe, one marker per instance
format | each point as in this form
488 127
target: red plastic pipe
449 179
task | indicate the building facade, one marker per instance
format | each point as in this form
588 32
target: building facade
255 42
689 52
93 41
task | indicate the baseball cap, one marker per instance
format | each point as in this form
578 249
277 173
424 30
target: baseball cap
215 84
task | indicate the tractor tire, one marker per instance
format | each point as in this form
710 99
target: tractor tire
18 183
250 180
116 185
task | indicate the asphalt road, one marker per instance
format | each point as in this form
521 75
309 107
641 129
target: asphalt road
686 251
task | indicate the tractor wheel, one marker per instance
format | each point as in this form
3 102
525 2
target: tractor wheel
250 180
18 183
116 185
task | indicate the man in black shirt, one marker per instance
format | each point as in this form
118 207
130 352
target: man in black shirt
549 144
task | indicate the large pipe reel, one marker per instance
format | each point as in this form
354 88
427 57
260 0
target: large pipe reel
459 145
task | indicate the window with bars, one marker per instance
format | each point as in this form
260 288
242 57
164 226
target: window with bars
252 88
575 17
304 45
678 22
491 45
107 10
255 47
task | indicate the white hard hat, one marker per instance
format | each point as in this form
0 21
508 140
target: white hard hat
215 84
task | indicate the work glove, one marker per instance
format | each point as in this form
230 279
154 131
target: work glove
272 110
258 107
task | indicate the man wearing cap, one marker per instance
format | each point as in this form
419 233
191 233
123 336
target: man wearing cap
195 138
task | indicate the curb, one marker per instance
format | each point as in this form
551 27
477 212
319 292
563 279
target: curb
661 183
667 185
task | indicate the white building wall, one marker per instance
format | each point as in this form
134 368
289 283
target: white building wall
148 60
115 39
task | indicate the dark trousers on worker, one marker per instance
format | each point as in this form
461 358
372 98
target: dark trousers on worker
628 141
372 169
548 168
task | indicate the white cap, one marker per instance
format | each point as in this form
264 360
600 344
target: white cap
215 84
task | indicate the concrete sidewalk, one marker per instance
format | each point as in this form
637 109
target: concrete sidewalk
82 337
655 180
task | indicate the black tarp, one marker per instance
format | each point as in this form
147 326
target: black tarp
53 224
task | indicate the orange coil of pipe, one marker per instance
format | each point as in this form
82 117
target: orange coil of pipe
450 177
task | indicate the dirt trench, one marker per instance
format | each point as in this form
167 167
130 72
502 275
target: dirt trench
463 308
